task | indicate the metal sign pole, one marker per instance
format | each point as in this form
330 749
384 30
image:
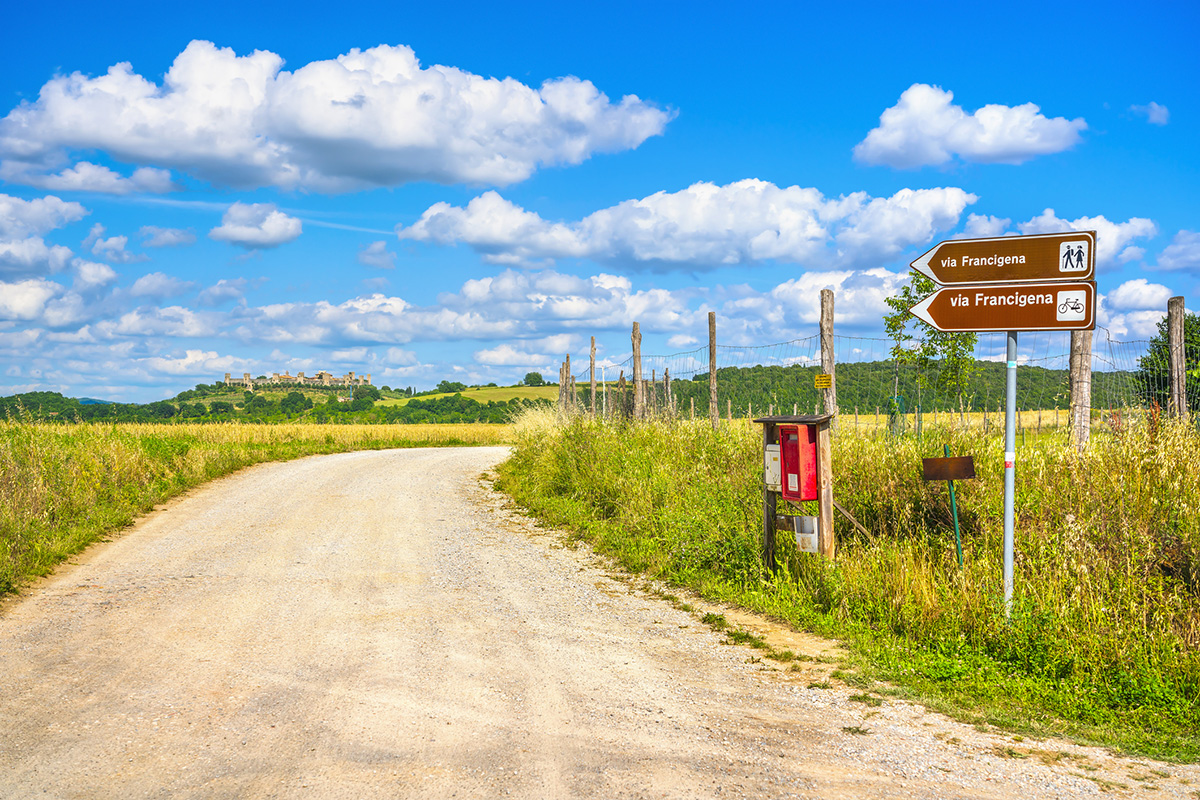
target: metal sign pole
1010 458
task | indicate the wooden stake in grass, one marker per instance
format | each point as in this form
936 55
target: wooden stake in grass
639 398
714 413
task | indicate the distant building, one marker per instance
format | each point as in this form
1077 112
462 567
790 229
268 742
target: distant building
321 379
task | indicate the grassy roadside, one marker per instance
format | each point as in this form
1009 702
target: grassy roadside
1104 642
63 487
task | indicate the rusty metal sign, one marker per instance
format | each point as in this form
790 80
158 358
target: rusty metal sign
951 468
1012 259
1013 307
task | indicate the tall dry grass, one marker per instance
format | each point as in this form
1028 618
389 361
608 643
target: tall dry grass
1104 639
65 486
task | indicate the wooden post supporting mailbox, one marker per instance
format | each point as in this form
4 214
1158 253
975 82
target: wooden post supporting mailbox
797 467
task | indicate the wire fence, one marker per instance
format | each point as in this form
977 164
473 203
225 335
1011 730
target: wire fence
870 381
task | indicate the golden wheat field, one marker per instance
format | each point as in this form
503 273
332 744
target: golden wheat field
65 486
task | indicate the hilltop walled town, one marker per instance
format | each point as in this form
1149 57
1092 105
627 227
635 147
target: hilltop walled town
322 378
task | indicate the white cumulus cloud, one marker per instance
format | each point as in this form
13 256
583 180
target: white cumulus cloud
88 177
32 256
377 255
703 226
1182 253
22 218
256 226
111 248
160 285
223 290
925 128
154 236
1154 113
26 300
192 362
1112 238
90 275
506 355
367 118
1139 294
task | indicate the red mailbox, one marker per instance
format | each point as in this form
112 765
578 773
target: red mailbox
798 462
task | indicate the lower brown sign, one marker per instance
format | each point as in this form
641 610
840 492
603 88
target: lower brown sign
951 468
1056 306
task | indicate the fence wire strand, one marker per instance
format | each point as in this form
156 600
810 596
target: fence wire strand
871 381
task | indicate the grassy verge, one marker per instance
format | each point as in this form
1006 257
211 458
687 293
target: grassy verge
1104 640
63 487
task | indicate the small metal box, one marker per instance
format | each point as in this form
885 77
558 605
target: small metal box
771 467
798 450
807 539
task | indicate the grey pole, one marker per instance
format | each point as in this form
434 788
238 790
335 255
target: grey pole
1010 458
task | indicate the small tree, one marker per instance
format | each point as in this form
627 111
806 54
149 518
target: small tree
534 379
365 390
1154 368
949 357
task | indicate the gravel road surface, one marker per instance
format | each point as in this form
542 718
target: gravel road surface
381 625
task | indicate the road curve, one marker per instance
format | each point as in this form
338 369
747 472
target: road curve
373 625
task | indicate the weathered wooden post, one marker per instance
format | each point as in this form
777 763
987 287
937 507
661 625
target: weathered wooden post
714 414
652 394
569 383
1177 405
562 382
670 399
825 540
639 398
592 374
621 408
1080 382
769 507
829 395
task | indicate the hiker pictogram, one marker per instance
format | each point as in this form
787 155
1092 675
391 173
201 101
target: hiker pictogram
1073 257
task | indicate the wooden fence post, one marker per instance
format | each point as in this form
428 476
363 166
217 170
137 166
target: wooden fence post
714 414
639 397
1080 382
592 374
828 396
768 531
1177 405
569 383
826 540
670 398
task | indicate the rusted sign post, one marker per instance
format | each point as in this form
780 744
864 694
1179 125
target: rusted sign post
797 466
1011 283
950 469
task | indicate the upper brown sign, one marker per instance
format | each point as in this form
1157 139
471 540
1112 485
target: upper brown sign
1010 259
1054 306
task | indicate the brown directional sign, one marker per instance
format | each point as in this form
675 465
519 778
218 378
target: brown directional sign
1009 259
950 468
1051 306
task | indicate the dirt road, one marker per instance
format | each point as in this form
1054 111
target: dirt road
376 625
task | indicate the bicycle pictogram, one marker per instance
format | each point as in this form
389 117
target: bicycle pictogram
1070 305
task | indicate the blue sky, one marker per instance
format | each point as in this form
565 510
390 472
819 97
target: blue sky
421 193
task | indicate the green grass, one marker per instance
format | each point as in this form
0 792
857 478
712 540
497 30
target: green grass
486 394
1104 641
63 487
